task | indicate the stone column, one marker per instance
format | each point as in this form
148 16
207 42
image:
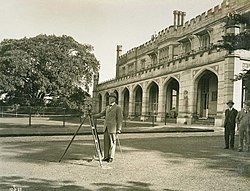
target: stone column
144 101
228 90
183 113
221 100
185 84
228 75
121 97
131 102
237 88
161 105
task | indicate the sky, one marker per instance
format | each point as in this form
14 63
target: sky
104 24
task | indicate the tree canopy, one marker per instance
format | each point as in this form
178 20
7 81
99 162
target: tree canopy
232 41
32 69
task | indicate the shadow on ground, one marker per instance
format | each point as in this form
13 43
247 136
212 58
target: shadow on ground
173 150
199 148
31 184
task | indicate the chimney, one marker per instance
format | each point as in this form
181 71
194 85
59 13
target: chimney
178 18
183 14
175 14
118 52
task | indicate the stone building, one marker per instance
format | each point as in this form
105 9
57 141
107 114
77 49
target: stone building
180 73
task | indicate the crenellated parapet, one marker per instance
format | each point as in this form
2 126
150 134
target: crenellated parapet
178 64
178 43
171 34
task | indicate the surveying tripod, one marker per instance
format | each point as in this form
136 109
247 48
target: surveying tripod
94 132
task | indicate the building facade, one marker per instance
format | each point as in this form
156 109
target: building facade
181 73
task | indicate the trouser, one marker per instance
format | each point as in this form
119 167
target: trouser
109 144
244 132
229 136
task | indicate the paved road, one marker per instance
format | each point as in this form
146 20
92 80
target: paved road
192 162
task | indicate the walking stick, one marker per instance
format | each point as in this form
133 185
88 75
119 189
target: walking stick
119 145
72 138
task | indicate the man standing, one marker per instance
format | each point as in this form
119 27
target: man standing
243 122
112 126
229 125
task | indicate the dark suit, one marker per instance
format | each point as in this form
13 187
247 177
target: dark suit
229 125
113 123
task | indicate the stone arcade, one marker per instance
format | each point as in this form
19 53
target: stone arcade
179 73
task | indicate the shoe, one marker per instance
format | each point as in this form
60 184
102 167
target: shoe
110 160
105 159
240 150
226 147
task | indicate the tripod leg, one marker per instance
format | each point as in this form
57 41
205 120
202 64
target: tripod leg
96 140
72 139
96 134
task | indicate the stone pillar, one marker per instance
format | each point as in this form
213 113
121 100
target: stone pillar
161 104
226 89
237 88
221 102
131 102
144 101
228 75
121 98
185 98
184 114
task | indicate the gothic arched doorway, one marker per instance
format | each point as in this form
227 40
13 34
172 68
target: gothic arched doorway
106 97
172 98
138 101
99 103
153 97
207 90
125 102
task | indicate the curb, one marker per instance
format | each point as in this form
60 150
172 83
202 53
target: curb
125 132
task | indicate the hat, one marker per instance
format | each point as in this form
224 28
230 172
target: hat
247 102
113 95
230 101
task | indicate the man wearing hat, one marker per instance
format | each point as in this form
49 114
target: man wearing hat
229 125
112 126
243 123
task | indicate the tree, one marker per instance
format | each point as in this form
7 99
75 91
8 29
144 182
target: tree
232 42
32 69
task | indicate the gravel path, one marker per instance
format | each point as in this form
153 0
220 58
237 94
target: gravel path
193 161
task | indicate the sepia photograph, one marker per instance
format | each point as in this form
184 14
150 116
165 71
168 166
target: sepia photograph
126 95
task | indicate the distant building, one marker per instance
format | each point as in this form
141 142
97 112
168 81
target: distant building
179 73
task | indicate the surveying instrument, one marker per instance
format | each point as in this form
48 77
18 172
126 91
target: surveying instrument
88 115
